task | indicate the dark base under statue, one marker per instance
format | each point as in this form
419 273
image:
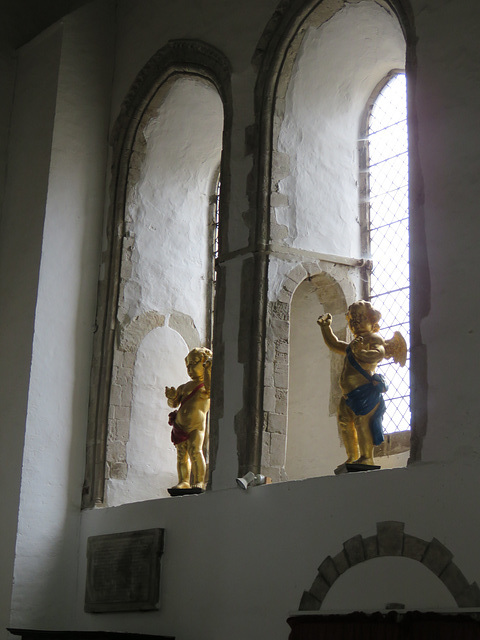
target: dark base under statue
349 467
185 492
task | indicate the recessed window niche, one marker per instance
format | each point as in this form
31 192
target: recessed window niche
326 76
155 300
166 267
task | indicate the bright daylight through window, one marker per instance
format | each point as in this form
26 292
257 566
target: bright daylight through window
388 235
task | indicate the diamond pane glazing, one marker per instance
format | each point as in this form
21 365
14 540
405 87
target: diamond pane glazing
389 237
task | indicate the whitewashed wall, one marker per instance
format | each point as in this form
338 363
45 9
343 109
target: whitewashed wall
240 561
65 78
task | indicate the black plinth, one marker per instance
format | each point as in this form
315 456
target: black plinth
185 492
358 466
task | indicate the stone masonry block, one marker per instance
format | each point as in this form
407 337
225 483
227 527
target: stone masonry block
116 451
281 381
277 423
280 368
281 404
122 430
354 550
266 441
470 597
280 328
370 547
341 562
268 374
319 588
437 557
298 274
280 165
281 378
289 285
118 470
275 473
122 413
126 269
280 310
328 570
118 358
277 449
278 232
281 346
309 602
269 351
312 268
278 199
127 395
269 399
116 394
414 547
454 580
129 359
284 296
390 538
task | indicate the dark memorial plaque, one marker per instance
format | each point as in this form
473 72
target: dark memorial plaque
123 571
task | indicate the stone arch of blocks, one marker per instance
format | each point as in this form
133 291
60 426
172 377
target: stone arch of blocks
391 540
329 275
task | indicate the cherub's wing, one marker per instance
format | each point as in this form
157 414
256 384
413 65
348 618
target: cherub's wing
396 348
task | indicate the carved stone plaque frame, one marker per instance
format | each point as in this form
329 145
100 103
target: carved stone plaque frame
123 571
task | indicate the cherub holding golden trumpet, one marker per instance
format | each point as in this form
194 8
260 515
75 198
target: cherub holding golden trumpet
362 406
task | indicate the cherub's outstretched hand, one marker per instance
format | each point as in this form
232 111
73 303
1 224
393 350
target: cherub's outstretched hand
325 320
170 393
356 345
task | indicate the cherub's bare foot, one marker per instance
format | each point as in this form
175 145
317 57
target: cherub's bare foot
199 485
182 485
364 460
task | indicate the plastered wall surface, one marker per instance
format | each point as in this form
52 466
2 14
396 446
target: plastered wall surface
447 142
321 125
73 182
255 552
35 90
272 537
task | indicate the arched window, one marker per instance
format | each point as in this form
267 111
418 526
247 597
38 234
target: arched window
155 290
321 77
387 233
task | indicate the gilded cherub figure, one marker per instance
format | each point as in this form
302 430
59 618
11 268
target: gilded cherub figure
362 406
189 421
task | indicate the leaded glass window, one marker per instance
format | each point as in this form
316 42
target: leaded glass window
388 236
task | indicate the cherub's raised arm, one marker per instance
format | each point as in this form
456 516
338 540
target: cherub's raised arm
331 340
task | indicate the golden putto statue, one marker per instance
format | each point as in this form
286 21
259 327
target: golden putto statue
362 406
189 421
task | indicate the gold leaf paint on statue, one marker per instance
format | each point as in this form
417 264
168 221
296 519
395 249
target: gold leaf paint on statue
189 421
361 406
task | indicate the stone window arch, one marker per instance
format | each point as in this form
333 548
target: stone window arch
154 293
310 97
391 541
